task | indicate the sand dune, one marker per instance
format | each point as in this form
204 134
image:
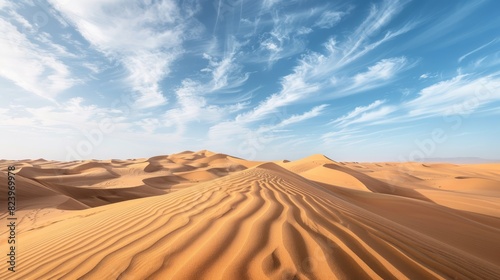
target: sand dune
203 215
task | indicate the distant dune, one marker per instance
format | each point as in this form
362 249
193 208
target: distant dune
205 215
462 160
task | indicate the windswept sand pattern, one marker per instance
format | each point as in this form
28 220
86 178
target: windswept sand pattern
50 188
309 219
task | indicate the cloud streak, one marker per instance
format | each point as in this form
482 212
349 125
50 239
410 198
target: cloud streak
462 94
312 72
477 49
329 19
248 76
314 112
31 66
378 74
365 114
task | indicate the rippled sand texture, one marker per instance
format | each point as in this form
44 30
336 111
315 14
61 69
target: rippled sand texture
211 216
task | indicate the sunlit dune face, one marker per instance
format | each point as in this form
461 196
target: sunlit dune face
209 215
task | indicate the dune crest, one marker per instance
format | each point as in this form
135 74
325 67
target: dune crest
204 215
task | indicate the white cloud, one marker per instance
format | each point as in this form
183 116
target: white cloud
93 67
191 97
252 140
365 114
72 113
271 46
440 25
341 136
380 72
221 71
314 112
267 4
359 48
357 111
315 70
7 119
192 106
31 66
294 88
4 4
148 124
304 30
378 17
189 102
373 115
427 76
285 39
146 70
342 133
459 95
226 72
329 19
145 38
70 117
477 49
26 25
46 39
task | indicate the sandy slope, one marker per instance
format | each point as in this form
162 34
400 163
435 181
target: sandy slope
202 215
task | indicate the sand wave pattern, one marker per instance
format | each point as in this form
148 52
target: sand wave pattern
309 219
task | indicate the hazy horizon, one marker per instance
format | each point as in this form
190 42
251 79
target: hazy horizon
453 160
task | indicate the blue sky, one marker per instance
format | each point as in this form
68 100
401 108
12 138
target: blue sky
273 79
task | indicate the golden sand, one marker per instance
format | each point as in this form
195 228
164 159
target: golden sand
203 215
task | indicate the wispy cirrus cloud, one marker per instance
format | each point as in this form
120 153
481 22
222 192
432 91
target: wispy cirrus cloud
282 34
265 133
71 116
378 74
494 41
284 39
32 66
427 76
461 94
192 105
374 115
226 72
365 114
267 4
314 112
382 70
4 4
358 44
294 88
440 26
342 136
329 19
146 39
340 55
222 76
314 71
357 111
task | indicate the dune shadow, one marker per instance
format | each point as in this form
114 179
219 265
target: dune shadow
379 186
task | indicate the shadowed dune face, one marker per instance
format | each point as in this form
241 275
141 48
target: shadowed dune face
97 183
202 215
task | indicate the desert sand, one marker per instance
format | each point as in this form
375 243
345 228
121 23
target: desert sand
204 215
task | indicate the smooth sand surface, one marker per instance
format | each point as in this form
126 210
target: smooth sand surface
204 215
